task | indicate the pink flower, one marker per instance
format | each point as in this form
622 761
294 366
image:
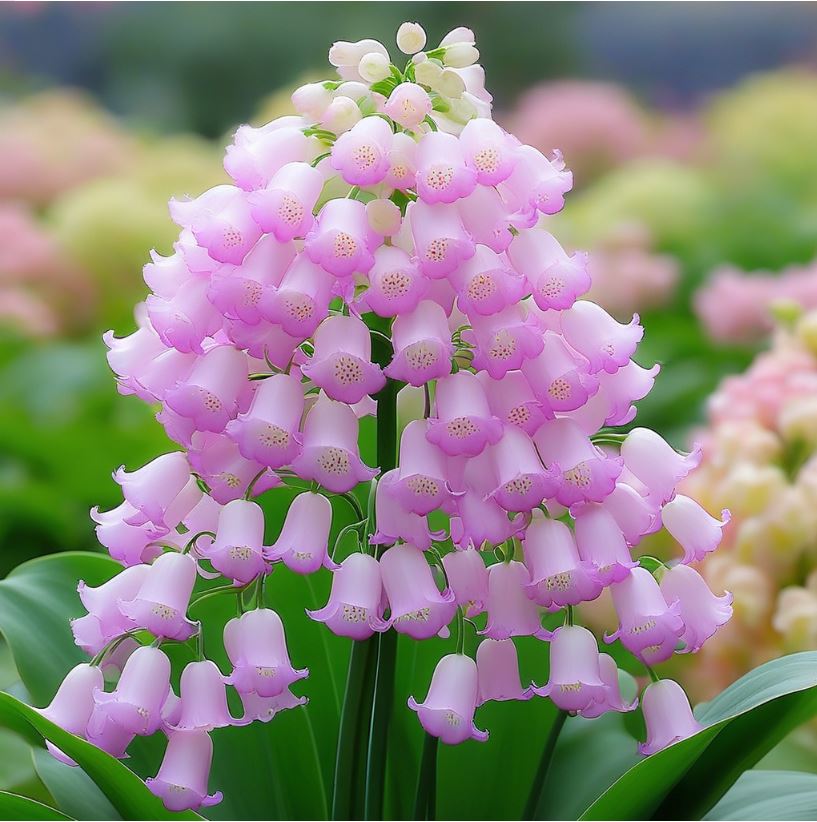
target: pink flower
498 672
448 709
203 699
656 463
361 155
442 175
422 345
488 150
698 532
128 544
612 700
394 522
237 551
536 184
395 284
468 579
258 153
304 539
607 344
408 105
512 400
668 716
486 284
634 514
283 208
600 542
186 319
266 708
422 483
402 160
441 242
486 218
510 612
342 242
503 341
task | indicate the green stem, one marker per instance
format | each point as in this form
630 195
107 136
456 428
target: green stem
539 780
425 802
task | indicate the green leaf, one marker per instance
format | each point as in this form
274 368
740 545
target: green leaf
13 806
126 792
769 795
742 724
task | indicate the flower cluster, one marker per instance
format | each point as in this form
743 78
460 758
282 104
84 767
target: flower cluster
390 235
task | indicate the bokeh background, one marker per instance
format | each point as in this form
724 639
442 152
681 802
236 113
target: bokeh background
692 132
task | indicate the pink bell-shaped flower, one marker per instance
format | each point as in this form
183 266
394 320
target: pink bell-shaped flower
442 175
656 463
486 218
128 544
448 710
203 698
265 708
512 400
342 361
697 531
162 373
417 608
283 208
633 513
221 222
575 682
468 579
488 150
237 551
256 154
648 626
184 320
303 544
355 607
613 700
129 357
136 704
161 603
209 397
268 432
256 645
464 425
330 453
408 105
394 522
104 620
181 783
558 576
153 488
107 734
422 486
620 390
503 341
668 716
587 473
498 672
486 283
600 542
441 242
361 155
702 612
342 241
422 345
402 159
607 344
395 284
510 611
536 184
522 482
555 279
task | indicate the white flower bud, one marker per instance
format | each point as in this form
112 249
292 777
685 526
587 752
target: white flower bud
460 55
428 73
411 38
344 53
341 115
311 100
352 88
373 67
459 35
384 217
450 84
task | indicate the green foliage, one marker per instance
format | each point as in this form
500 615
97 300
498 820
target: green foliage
769 795
13 806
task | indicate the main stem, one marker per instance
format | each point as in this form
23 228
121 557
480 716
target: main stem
538 786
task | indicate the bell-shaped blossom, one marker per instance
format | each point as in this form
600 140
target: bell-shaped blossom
108 735
648 626
559 376
395 284
236 291
268 432
342 361
203 698
488 150
256 645
441 242
634 514
442 174
702 612
186 319
209 397
486 283
161 602
536 185
558 576
128 544
342 241
417 607
448 709
361 155
587 473
154 488
402 160
512 400
408 105
656 463
606 343
600 542
256 154
422 484
164 276
503 341
394 522
613 700
510 611
575 682
355 607
128 357
136 703
464 424
468 579
555 279
73 704
104 621
498 672
330 453
163 373
668 716
486 218
181 783
283 208
237 551
304 539
698 533
265 708
619 391
522 482
221 222
422 345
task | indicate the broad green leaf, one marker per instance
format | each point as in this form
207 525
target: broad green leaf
742 724
780 795
126 792
13 806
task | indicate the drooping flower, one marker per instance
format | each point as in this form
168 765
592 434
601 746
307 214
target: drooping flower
342 242
498 672
612 699
303 543
668 716
203 698
698 533
468 579
237 551
422 345
510 611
